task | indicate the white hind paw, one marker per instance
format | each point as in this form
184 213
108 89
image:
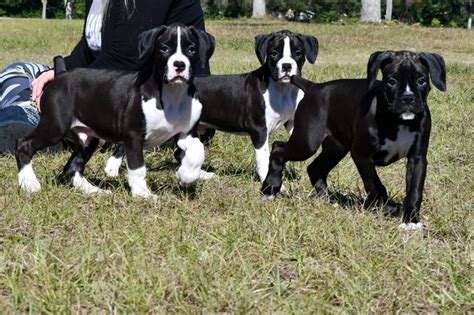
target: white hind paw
81 183
112 166
27 179
410 226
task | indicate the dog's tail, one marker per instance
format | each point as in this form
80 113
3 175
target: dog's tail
301 83
59 65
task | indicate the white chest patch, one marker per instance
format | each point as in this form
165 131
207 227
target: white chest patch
162 124
400 146
281 101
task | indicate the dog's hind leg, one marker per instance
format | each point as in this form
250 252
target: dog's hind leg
74 169
331 154
376 191
42 137
113 163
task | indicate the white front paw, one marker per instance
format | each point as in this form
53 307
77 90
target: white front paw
187 177
143 192
30 185
206 175
410 226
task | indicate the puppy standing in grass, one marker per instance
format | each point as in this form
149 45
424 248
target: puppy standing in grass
379 122
136 109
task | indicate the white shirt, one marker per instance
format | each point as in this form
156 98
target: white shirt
93 30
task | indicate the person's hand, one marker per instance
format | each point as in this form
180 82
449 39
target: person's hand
38 86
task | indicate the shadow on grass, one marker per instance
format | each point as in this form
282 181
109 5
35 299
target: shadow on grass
352 200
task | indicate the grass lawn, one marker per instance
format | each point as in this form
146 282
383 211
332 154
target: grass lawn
225 249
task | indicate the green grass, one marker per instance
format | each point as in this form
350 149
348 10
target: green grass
225 249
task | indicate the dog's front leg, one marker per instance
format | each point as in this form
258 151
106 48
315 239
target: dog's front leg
262 156
289 125
415 180
192 159
136 170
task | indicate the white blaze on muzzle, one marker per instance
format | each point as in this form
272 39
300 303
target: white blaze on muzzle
178 58
408 115
285 74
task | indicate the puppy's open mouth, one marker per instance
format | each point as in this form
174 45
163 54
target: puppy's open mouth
407 115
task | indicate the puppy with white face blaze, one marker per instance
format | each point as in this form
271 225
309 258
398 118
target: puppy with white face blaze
258 103
138 110
378 122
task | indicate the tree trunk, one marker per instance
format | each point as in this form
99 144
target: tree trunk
371 11
43 13
388 11
258 8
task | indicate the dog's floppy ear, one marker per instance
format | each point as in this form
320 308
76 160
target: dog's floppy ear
311 47
437 68
377 61
207 43
261 44
146 41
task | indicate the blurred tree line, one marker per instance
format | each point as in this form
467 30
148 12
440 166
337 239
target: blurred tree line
55 9
426 12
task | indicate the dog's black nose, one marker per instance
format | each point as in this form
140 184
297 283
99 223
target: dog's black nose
179 66
286 67
408 99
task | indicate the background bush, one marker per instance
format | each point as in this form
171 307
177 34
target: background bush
452 13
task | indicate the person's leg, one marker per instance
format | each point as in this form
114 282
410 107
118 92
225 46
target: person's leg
17 116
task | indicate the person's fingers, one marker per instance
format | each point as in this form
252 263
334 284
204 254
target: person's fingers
40 82
38 85
37 103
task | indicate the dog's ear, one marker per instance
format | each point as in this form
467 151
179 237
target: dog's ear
311 47
437 68
377 61
207 44
146 41
261 44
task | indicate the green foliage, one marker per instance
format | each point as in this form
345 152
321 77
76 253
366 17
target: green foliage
32 8
443 12
452 13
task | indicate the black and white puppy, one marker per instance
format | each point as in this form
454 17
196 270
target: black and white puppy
378 122
258 103
138 110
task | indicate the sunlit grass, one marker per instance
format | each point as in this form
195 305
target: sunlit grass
225 249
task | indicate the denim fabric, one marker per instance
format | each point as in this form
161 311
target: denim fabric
19 113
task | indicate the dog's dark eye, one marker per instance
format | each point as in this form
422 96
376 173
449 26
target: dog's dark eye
298 53
274 54
164 49
192 50
421 81
391 82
